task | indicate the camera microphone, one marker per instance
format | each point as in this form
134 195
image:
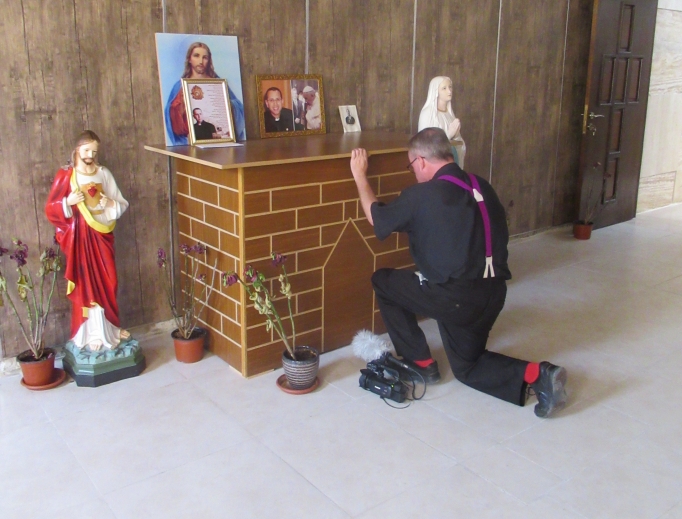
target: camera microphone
368 346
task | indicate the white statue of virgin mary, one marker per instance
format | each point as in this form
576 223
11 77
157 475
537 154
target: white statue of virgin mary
437 112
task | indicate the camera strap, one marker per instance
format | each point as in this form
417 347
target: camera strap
475 190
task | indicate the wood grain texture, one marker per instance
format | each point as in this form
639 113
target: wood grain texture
363 51
527 113
572 106
76 65
384 103
458 39
289 152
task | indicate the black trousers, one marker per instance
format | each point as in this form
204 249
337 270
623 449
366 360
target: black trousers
465 312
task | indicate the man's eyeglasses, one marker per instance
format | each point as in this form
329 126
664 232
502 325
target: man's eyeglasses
409 166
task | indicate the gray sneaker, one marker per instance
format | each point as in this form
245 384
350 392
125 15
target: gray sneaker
550 389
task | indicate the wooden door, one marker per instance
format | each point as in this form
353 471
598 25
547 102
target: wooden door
615 108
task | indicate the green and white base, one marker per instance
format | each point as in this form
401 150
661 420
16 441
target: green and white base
97 368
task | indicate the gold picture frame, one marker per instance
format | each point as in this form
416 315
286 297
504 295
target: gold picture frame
290 104
209 113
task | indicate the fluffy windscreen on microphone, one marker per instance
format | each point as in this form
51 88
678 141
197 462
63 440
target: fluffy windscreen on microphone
368 346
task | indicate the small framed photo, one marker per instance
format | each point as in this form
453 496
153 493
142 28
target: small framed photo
290 105
208 107
349 118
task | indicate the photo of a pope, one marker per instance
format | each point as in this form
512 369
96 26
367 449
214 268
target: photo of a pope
84 204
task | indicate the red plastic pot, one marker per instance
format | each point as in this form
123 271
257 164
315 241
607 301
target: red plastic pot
192 349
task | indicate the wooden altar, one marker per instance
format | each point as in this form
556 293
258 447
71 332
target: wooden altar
295 196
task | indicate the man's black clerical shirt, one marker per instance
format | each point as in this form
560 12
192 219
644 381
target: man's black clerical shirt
285 123
445 227
203 131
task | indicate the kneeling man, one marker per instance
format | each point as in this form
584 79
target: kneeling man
458 237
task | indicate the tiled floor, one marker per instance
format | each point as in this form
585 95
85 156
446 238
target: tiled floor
199 441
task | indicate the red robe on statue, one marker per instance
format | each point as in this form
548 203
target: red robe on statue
90 259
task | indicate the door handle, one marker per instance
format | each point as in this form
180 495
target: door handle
594 116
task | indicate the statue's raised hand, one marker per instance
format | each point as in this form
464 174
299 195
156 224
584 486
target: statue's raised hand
106 202
75 197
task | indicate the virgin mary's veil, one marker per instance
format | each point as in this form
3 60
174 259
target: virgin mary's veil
430 117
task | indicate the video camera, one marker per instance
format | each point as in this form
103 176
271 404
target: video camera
383 380
382 376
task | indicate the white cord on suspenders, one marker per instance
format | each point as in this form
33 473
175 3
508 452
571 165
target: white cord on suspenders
489 267
489 271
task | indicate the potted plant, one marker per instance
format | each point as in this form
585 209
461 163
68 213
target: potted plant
188 338
582 228
300 363
37 363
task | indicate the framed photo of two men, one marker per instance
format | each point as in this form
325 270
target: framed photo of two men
290 105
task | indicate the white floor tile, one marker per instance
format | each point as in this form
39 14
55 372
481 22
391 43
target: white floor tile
18 406
451 492
638 480
95 509
122 444
446 435
260 406
198 440
346 451
674 513
246 481
490 417
576 439
515 474
39 474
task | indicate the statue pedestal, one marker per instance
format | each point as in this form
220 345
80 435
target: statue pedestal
97 368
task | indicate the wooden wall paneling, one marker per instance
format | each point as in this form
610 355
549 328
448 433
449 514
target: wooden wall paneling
383 103
527 115
75 66
271 38
458 39
572 106
122 86
337 51
182 17
42 108
148 174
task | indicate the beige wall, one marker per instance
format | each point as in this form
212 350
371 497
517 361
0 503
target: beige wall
661 174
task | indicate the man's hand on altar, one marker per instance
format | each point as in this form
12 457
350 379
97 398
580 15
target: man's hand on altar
106 202
75 197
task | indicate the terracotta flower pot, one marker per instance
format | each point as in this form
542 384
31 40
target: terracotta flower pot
37 372
302 372
192 349
582 231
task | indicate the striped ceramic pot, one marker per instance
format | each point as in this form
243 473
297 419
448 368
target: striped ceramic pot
302 372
